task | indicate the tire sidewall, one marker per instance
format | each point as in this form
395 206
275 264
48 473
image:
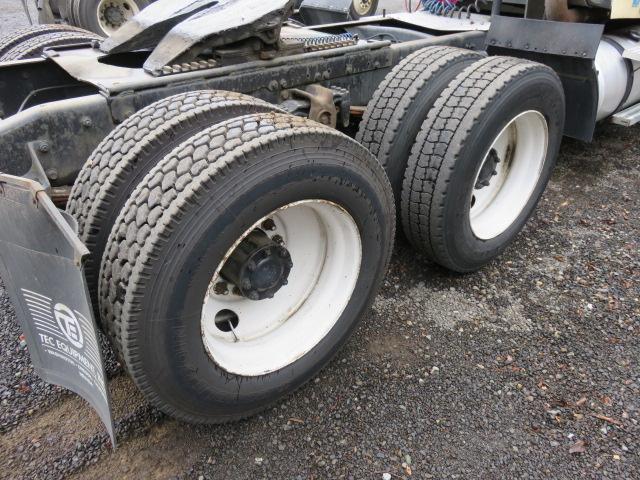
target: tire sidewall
539 91
188 376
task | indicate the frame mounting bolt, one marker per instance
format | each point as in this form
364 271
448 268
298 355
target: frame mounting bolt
43 147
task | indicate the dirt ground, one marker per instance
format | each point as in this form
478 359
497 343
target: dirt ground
526 369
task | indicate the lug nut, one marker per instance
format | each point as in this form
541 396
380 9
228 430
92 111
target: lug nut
253 296
220 288
269 224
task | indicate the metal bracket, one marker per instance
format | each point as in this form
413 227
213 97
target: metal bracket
321 104
579 40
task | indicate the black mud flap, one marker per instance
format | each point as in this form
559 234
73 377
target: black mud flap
41 266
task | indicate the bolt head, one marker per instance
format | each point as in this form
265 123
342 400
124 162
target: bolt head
253 296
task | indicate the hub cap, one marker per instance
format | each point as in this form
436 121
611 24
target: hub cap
509 174
362 7
311 273
258 267
112 14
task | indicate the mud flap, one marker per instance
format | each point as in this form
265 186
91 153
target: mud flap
41 261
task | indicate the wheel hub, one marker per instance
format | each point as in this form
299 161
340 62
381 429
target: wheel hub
488 170
114 16
509 174
258 267
362 6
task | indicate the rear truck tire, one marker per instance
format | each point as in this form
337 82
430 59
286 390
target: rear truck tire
363 8
482 160
401 102
104 17
34 47
19 37
205 241
131 150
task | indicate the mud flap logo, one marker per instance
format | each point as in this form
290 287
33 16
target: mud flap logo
68 336
69 325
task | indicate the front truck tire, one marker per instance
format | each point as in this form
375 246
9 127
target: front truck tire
30 42
130 151
401 102
482 160
243 261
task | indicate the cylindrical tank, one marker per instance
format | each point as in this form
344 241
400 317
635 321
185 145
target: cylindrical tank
618 78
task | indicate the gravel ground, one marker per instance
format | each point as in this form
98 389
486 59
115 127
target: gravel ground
526 369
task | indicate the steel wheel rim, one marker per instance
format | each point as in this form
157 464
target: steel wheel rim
521 148
362 7
264 336
126 10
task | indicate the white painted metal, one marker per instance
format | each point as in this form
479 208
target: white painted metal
613 75
522 149
325 247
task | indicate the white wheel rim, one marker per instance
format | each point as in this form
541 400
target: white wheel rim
362 7
325 247
521 147
112 14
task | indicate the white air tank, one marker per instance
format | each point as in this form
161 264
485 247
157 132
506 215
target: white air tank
618 78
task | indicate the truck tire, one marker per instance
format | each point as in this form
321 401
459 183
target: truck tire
363 8
104 17
401 102
23 35
35 46
482 160
260 187
126 155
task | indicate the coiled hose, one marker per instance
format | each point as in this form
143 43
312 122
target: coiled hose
452 7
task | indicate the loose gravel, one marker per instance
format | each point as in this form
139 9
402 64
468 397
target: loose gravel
526 369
